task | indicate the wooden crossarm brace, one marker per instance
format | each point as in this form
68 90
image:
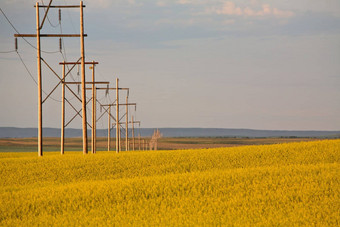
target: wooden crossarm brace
61 79
77 112
43 21
105 111
59 83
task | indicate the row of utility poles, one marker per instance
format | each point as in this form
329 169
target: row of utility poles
117 119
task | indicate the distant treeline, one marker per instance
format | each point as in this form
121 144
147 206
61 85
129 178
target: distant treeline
12 132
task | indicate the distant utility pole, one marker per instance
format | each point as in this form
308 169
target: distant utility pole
127 125
133 131
65 84
38 35
139 142
108 111
154 139
118 122
94 111
117 117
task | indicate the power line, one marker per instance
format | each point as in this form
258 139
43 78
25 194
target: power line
48 19
30 74
64 50
7 52
69 15
47 52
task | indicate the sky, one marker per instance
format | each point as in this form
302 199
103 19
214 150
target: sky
258 64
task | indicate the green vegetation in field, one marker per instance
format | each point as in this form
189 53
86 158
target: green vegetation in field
283 184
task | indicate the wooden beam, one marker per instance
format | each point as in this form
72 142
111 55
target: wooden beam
62 144
83 80
40 122
98 82
78 63
94 99
117 117
50 35
59 6
122 104
110 88
48 8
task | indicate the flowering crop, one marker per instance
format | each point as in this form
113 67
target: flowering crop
283 184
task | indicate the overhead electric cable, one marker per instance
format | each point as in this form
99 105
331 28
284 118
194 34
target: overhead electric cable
47 52
48 19
7 52
30 74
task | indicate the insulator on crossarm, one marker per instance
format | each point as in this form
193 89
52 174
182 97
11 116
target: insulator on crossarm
107 91
16 44
60 45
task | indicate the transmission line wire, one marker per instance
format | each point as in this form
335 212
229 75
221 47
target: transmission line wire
48 19
30 74
47 52
7 52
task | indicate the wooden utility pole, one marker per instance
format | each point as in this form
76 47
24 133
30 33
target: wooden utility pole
109 130
38 35
83 89
118 123
62 142
117 117
127 125
94 101
65 85
133 132
95 123
40 138
116 104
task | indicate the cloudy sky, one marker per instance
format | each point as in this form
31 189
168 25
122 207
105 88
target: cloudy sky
260 64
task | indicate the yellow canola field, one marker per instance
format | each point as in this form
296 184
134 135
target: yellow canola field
274 185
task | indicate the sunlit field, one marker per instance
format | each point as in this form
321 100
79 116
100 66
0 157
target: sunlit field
259 185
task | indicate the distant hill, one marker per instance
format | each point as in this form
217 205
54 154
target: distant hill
12 132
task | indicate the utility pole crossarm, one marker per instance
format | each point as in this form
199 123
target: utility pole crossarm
121 104
124 123
97 82
134 122
49 35
110 88
78 63
67 6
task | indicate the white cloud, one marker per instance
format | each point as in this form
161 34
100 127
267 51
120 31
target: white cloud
161 3
230 8
228 22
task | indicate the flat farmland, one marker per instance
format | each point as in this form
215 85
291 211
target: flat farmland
259 185
75 144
